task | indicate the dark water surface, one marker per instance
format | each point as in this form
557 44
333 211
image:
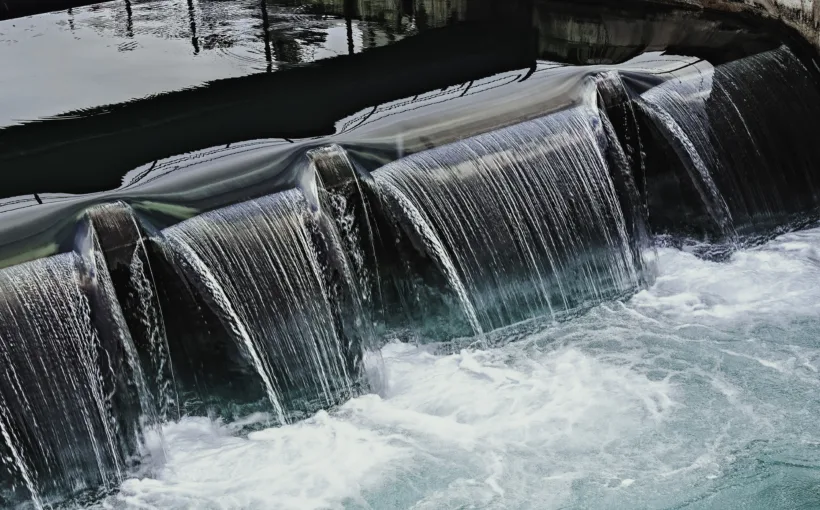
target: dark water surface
91 93
120 51
192 105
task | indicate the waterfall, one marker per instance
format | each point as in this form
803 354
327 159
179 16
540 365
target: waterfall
264 267
15 461
70 395
681 138
348 206
124 248
150 315
273 302
741 132
234 322
765 146
522 221
624 150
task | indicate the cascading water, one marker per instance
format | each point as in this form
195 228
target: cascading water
523 221
681 100
742 132
767 167
347 205
70 392
150 316
125 249
265 266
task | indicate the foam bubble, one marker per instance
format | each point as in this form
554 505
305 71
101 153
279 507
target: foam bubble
777 278
312 464
699 392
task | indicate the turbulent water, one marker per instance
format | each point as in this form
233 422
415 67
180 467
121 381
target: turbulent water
699 392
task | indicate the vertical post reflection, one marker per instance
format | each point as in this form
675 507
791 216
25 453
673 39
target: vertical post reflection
192 18
129 23
266 34
349 11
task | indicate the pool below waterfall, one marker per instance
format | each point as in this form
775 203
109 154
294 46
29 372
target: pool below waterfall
698 392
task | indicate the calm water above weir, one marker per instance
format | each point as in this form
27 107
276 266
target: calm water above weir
100 90
120 51
413 254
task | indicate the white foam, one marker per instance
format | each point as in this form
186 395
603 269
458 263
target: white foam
442 415
778 278
312 464
648 403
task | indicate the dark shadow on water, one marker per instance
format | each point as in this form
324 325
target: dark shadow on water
407 52
10 9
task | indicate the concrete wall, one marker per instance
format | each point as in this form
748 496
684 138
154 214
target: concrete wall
802 15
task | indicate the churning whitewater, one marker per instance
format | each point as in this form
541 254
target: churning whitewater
699 392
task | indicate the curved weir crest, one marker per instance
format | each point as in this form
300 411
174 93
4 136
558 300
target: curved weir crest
119 243
236 325
143 282
92 257
740 153
67 369
515 215
258 263
698 171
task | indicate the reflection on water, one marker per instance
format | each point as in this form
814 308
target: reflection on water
137 81
127 49
124 50
199 104
159 78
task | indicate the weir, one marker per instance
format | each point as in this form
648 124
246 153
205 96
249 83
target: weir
258 276
126 254
273 271
522 222
753 168
73 396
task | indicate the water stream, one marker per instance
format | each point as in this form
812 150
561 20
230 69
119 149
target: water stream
262 264
524 221
698 392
